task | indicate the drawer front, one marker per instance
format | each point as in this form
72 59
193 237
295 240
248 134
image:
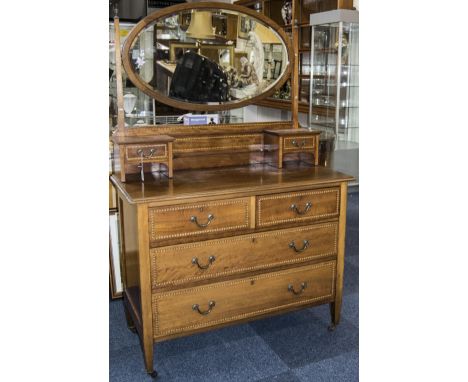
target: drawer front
208 305
185 263
198 219
241 142
150 152
298 207
299 143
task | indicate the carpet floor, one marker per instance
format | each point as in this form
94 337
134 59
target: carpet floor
293 347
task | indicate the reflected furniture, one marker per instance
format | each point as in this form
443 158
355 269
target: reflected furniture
229 238
300 36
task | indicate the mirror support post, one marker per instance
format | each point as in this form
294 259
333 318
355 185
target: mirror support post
295 67
118 76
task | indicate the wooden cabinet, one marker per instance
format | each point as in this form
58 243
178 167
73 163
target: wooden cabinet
260 242
231 237
300 141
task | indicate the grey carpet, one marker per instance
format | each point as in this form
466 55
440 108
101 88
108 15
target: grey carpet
294 347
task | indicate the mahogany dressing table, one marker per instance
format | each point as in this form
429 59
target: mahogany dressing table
232 236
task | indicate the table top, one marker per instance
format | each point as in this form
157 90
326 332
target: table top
226 181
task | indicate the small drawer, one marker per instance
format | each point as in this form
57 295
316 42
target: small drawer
151 153
298 207
198 220
179 264
299 143
218 303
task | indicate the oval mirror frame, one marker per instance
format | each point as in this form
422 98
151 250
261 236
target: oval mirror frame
147 89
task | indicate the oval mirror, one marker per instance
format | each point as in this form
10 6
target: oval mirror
207 56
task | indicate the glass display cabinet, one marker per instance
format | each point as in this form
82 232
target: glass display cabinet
140 109
281 11
334 74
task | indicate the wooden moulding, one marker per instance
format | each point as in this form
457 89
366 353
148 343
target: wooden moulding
146 88
179 131
211 145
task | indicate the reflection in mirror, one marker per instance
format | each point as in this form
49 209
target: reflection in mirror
209 56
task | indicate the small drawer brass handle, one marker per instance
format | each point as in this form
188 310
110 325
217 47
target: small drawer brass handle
143 156
291 288
304 246
196 308
307 208
295 143
211 259
194 219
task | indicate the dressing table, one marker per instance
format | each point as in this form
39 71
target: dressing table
232 235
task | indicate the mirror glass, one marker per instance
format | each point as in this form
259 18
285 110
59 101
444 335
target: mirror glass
208 57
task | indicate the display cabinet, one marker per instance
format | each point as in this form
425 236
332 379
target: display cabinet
281 11
334 74
140 109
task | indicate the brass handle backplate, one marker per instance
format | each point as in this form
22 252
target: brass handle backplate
293 207
295 143
304 246
211 259
291 288
143 156
194 219
196 308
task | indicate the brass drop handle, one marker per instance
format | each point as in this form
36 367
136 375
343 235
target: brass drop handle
194 219
295 143
142 155
307 208
211 259
196 308
291 288
304 247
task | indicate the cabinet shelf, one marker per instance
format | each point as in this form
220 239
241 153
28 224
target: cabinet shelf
326 50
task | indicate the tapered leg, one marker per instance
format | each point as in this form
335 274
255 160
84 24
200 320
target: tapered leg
130 323
335 306
335 313
148 355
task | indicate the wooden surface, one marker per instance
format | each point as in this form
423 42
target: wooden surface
299 143
176 221
118 78
181 131
134 151
256 258
173 265
276 209
286 141
228 142
225 183
267 292
295 65
151 153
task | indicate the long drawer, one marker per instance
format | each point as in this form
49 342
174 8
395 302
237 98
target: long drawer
218 303
298 207
237 142
184 263
199 219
